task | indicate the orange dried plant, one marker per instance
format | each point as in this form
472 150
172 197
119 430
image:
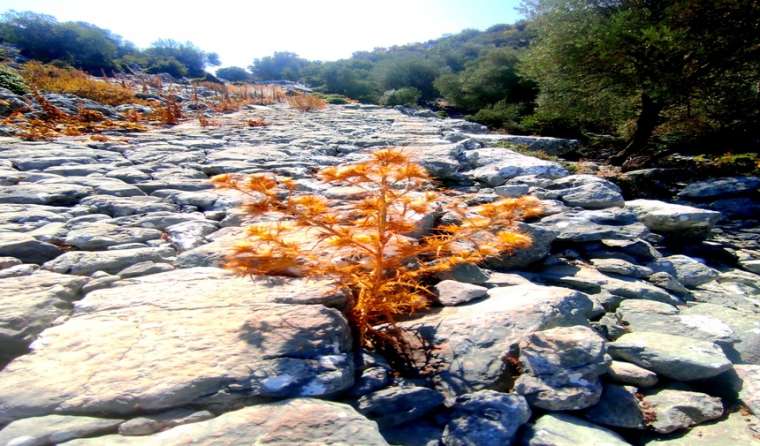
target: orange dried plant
257 122
306 102
70 80
372 247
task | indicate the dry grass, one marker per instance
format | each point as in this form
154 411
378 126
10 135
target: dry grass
49 78
306 102
257 122
366 245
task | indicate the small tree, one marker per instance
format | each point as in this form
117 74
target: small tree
366 245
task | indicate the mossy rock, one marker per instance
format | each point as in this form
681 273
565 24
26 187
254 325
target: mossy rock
12 80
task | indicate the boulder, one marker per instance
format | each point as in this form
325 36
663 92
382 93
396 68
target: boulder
561 368
541 240
485 418
289 422
688 271
735 430
674 410
396 405
618 407
631 374
204 342
677 357
721 187
451 292
567 430
744 324
748 386
674 219
472 339
26 248
55 429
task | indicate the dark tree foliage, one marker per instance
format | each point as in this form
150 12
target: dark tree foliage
233 74
280 66
97 50
674 69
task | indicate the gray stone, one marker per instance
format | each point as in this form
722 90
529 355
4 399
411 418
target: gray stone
511 190
541 240
144 268
55 429
47 194
26 248
618 407
290 422
371 379
597 194
668 282
721 187
121 206
494 166
688 271
98 236
190 234
451 292
32 305
485 418
680 409
150 424
749 386
566 430
561 368
473 339
677 357
631 374
674 219
8 262
621 267
744 324
736 430
207 342
84 262
396 405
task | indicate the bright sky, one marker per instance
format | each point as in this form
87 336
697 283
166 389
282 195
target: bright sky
316 29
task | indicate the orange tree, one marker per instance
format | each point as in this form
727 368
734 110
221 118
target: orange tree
371 246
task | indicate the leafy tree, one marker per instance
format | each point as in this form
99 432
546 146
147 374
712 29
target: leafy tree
403 96
411 72
233 74
279 66
191 57
643 62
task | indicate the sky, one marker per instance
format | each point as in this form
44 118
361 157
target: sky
240 31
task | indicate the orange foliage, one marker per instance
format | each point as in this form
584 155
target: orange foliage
69 80
257 122
306 102
367 245
170 112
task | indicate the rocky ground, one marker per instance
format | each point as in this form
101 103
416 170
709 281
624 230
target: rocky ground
628 322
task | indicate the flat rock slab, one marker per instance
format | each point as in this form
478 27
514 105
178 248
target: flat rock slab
88 262
736 430
30 305
145 347
292 422
679 409
566 430
473 339
672 218
677 357
54 429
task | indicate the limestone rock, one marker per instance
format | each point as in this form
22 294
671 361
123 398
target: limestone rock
677 357
195 345
150 424
396 405
627 373
618 407
451 292
55 429
687 270
679 409
486 418
561 368
85 262
566 430
674 219
26 248
290 422
736 430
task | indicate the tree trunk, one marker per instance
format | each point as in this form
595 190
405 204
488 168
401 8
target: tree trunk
645 125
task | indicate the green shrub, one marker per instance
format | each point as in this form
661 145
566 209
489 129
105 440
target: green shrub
12 80
499 115
168 65
403 96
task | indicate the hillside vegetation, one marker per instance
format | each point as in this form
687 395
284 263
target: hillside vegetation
634 80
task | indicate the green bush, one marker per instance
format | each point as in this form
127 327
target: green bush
168 65
403 96
500 115
11 80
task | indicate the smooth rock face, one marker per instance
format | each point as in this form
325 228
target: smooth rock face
27 249
749 386
677 357
736 430
151 424
289 422
200 341
451 292
102 235
485 418
618 407
566 430
30 305
473 339
397 405
674 219
744 324
84 263
54 429
722 187
687 270
679 409
627 373
561 368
